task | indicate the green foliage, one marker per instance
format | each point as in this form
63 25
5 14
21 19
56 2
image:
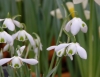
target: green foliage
36 15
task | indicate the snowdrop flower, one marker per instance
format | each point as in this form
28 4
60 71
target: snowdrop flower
10 23
59 49
75 25
97 1
6 38
20 50
38 44
17 62
10 48
75 48
22 35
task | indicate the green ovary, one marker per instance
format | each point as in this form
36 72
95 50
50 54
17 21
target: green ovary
83 25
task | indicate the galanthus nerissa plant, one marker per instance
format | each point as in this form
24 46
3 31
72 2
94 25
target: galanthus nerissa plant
10 23
18 57
19 60
69 49
70 28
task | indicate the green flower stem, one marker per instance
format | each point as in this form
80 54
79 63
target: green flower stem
1 71
27 51
74 39
38 65
1 29
90 57
17 74
68 40
98 70
58 60
52 61
21 72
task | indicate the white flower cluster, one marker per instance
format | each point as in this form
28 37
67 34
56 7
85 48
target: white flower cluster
21 35
69 49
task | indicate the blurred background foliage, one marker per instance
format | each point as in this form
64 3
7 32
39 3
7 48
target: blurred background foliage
36 15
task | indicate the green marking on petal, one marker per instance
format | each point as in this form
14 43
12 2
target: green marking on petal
59 53
16 65
70 52
2 40
21 38
4 26
83 24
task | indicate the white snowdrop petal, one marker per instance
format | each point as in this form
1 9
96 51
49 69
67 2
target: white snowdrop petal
8 38
84 3
77 1
16 62
84 27
60 53
75 27
81 52
97 1
20 50
6 47
30 38
70 5
4 60
14 36
71 57
40 46
36 50
71 50
1 19
60 46
17 23
87 14
30 61
9 23
68 26
58 13
22 35
51 47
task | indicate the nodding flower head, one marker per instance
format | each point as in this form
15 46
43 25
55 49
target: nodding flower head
38 44
6 38
59 49
10 23
75 48
69 49
17 62
22 35
75 25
